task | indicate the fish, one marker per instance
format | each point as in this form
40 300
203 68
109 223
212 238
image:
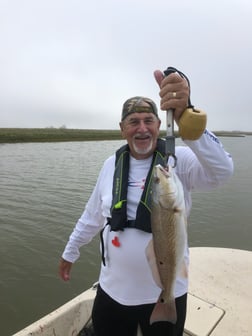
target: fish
165 251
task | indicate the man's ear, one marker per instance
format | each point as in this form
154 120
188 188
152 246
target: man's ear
122 130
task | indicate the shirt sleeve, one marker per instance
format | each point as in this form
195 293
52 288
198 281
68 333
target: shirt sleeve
204 164
94 216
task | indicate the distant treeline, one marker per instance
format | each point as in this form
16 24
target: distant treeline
15 135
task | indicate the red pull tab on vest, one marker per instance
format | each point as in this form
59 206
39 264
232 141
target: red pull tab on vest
116 242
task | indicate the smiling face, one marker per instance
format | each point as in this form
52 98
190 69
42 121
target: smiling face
141 130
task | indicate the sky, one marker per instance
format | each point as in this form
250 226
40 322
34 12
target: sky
73 63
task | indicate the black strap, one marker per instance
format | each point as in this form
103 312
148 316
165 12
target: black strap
102 247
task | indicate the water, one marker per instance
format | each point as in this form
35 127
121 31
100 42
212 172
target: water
44 188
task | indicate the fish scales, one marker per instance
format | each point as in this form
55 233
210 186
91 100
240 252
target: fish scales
165 252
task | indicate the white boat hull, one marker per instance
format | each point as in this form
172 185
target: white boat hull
219 300
67 320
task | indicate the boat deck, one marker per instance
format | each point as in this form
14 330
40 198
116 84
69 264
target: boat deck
220 292
219 300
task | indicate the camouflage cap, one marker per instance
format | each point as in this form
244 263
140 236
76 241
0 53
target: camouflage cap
135 104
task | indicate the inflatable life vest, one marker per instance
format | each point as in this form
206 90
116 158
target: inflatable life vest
118 220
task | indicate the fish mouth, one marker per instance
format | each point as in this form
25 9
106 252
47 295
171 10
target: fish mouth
163 170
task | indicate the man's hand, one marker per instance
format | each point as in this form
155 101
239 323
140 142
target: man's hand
65 269
174 93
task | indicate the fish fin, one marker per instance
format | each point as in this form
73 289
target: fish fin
164 312
183 270
151 258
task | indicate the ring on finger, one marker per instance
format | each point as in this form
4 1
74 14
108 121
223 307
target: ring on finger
174 94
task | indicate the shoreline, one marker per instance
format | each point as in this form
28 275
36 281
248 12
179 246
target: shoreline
21 135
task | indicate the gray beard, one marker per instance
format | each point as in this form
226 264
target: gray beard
143 150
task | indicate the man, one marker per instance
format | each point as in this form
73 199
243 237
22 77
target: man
127 292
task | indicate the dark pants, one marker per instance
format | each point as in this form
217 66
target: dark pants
113 319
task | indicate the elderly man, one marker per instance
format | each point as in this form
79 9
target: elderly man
127 293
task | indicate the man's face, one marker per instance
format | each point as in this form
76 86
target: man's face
141 130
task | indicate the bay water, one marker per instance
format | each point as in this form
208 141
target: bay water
43 191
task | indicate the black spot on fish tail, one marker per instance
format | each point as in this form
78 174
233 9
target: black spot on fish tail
176 210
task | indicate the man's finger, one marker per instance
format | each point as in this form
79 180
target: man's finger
158 76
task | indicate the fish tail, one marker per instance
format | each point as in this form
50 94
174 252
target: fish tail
164 312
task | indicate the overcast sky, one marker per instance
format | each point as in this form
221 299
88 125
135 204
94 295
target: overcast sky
75 62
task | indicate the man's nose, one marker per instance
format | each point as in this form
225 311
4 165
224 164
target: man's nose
142 126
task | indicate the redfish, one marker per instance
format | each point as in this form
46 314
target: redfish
165 252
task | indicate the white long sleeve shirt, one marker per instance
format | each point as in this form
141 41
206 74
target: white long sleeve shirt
201 165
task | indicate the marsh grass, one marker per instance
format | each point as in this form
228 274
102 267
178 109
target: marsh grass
15 135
